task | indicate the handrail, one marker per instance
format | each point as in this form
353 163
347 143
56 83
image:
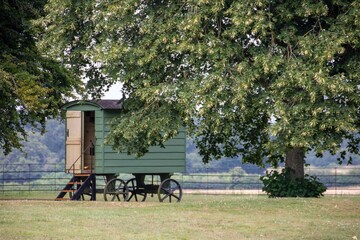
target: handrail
73 165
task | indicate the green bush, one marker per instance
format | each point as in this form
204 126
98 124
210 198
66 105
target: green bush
280 185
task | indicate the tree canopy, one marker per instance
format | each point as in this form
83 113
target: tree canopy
32 86
258 79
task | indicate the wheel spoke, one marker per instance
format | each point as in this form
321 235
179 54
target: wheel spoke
166 196
131 195
165 190
175 196
113 198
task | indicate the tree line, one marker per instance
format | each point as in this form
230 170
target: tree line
49 148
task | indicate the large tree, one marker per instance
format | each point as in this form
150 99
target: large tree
32 87
259 79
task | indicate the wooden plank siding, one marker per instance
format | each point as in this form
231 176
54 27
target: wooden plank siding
170 159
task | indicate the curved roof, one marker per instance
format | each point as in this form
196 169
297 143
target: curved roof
102 103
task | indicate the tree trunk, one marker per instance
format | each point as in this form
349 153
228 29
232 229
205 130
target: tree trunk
295 159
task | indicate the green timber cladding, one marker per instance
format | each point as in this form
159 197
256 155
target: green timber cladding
170 159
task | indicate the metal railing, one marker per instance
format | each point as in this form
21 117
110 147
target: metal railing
90 147
53 177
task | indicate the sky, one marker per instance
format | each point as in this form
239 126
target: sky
114 92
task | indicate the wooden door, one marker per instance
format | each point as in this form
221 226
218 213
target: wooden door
73 141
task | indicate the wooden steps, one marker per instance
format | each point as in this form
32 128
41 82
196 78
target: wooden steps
79 185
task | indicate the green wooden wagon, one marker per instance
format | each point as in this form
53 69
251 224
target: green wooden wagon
87 156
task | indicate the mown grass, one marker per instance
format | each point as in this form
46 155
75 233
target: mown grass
196 217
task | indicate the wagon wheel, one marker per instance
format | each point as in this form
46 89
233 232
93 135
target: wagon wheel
116 189
168 189
135 191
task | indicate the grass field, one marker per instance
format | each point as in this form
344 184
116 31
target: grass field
196 217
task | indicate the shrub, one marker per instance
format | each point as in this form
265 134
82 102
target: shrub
280 185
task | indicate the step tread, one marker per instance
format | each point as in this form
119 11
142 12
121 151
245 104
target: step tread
62 199
73 183
69 190
82 174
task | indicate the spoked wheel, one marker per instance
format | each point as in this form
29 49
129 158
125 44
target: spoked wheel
134 191
116 190
168 190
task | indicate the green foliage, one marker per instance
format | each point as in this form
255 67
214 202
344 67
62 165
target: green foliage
32 87
281 185
246 78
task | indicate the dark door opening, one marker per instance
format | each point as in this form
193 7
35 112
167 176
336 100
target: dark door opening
89 140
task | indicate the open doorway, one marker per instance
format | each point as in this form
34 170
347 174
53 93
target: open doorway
89 140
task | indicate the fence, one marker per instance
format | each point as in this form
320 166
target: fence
32 177
52 177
